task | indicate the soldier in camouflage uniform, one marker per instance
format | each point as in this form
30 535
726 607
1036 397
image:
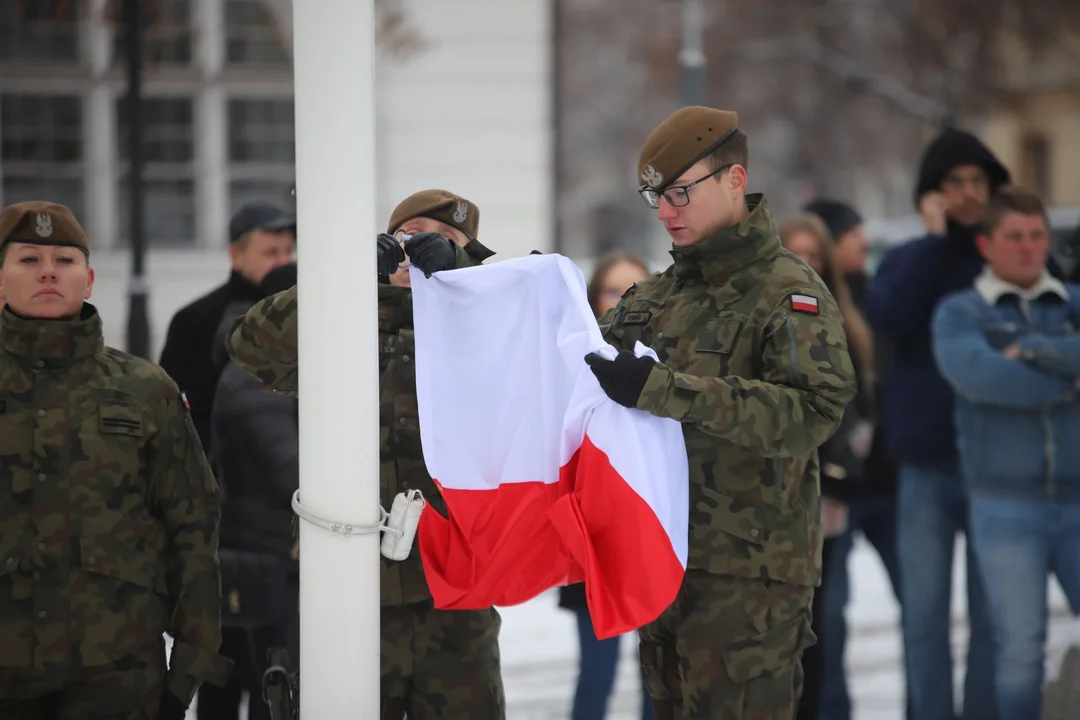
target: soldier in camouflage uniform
108 509
754 364
435 663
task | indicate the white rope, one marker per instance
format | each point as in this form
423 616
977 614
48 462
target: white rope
340 528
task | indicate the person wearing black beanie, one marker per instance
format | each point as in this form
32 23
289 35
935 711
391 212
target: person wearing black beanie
957 177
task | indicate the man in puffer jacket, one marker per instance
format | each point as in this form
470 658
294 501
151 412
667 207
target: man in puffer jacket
255 441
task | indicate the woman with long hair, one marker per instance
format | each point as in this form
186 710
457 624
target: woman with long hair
841 457
615 272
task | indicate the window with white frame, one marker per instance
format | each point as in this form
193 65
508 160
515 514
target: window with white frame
262 150
167 35
39 31
168 170
41 149
253 37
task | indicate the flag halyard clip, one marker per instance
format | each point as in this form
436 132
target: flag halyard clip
397 540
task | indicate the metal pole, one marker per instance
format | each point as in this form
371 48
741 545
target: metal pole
333 56
138 328
692 56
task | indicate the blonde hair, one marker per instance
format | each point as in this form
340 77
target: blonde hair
858 332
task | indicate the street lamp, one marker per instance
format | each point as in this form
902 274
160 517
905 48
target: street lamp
138 328
692 55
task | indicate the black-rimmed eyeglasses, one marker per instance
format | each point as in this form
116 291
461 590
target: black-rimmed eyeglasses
676 195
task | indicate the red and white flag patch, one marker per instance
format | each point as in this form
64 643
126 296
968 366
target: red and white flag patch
804 303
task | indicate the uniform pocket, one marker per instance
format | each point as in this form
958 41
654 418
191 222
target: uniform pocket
720 336
735 517
140 569
769 652
714 352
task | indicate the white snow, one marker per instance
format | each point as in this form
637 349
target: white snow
539 650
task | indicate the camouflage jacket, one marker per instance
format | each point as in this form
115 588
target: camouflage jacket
264 341
759 381
108 509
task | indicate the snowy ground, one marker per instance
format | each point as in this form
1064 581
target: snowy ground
539 650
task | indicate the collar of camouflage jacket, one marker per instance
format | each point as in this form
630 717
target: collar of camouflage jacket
57 340
720 255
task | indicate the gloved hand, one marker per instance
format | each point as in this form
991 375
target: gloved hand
623 378
430 252
172 707
390 254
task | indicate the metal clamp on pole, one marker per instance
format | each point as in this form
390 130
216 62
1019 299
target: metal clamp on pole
338 528
399 524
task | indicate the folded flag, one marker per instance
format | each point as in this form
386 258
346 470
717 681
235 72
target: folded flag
546 480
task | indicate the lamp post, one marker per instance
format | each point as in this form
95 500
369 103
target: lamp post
692 55
138 327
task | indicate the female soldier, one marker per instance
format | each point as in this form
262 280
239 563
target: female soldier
108 507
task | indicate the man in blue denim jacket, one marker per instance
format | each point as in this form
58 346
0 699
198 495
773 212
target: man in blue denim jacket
1010 348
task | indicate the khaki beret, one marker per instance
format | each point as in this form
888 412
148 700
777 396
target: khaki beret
446 207
686 136
41 223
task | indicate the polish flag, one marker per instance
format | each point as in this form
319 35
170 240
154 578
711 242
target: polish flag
546 481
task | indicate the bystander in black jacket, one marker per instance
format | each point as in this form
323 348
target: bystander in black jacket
189 355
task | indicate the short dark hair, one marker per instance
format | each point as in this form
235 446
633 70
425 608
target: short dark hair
735 151
1011 198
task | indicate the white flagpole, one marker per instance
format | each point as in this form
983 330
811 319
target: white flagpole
339 451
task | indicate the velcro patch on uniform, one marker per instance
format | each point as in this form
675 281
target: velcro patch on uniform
124 426
804 304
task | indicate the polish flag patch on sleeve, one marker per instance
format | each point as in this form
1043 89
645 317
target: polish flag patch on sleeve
804 303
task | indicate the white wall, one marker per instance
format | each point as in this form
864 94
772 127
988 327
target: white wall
176 278
471 114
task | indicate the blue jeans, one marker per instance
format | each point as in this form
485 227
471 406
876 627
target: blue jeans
1019 543
875 517
596 674
932 510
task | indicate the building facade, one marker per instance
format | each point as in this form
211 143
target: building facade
1035 128
462 102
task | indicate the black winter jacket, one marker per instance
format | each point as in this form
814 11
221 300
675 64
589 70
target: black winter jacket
256 451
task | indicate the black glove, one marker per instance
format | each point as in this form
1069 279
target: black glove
390 254
623 378
172 707
430 252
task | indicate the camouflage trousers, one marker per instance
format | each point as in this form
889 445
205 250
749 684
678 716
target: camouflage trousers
440 663
728 649
128 689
